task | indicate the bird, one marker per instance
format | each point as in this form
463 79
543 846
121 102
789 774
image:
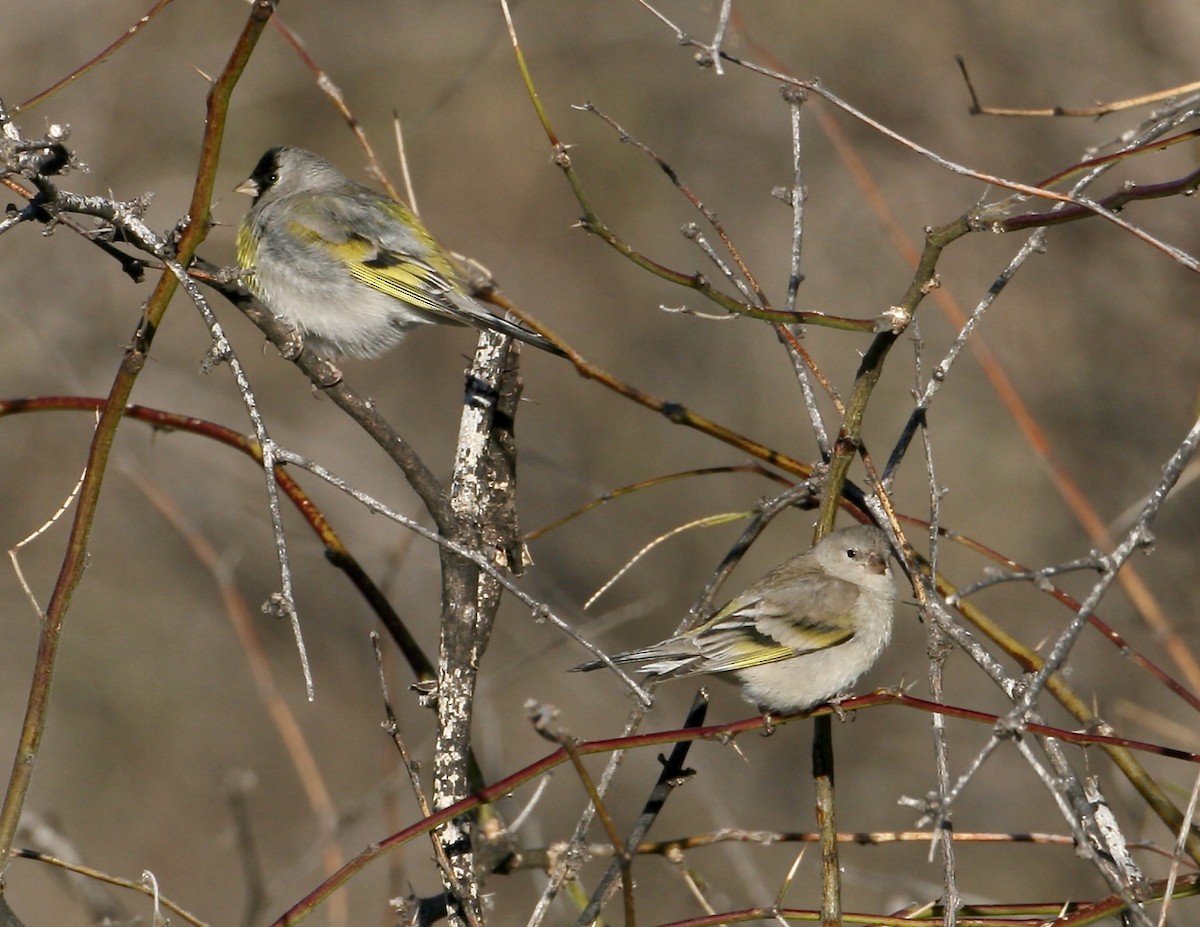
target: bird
350 268
802 634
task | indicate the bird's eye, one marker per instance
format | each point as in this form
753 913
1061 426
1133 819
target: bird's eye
272 178
852 553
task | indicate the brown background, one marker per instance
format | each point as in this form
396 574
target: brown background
154 707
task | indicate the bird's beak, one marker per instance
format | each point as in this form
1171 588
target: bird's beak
877 563
249 187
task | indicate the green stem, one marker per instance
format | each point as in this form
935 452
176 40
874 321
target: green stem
75 558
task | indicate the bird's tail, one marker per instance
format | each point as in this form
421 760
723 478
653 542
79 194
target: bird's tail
480 316
521 333
665 662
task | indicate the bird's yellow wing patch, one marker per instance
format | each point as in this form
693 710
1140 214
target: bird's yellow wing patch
398 275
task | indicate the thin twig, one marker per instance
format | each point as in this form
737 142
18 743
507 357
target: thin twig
34 535
1100 109
72 568
95 62
708 521
392 728
673 774
541 611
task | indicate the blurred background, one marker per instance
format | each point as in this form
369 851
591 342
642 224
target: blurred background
154 708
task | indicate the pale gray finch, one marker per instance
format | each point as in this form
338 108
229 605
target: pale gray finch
351 269
801 635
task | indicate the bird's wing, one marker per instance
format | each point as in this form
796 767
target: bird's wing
771 622
380 252
737 644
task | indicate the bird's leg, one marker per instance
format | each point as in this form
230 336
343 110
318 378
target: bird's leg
835 703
